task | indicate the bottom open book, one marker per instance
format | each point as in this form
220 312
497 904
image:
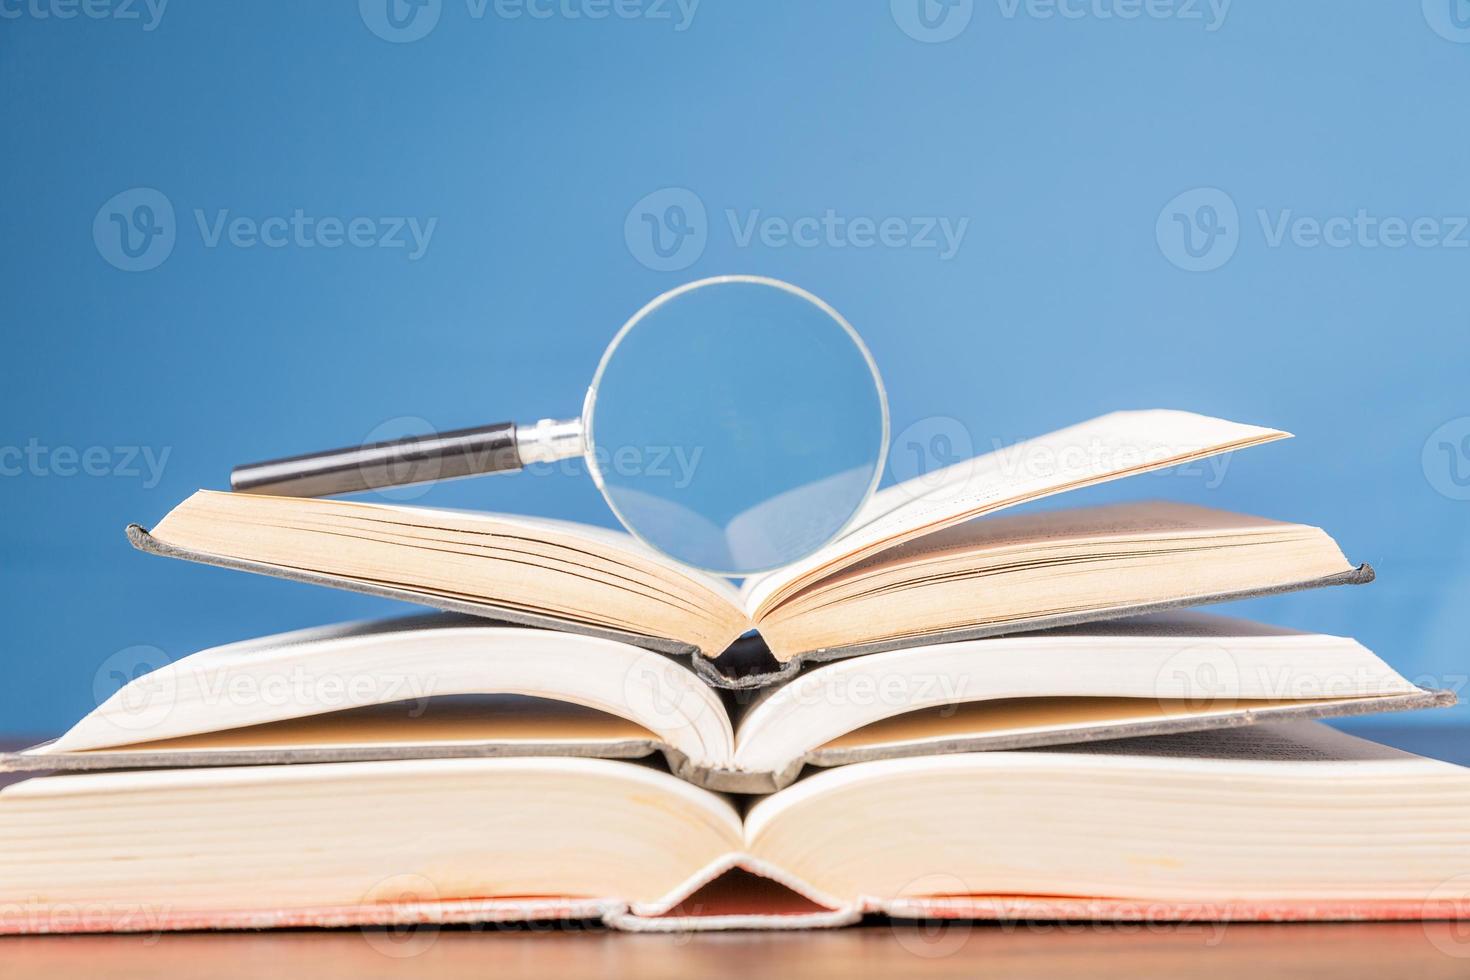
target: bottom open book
1278 821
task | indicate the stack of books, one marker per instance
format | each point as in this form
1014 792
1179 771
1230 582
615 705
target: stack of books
946 713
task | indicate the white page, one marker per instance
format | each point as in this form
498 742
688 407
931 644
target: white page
1105 448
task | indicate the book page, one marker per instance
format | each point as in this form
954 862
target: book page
445 720
1105 448
1260 747
608 540
183 842
1277 813
1140 520
509 565
1144 670
1177 623
333 671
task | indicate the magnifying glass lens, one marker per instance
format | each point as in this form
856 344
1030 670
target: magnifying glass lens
736 424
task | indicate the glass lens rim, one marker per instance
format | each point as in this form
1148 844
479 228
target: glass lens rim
589 403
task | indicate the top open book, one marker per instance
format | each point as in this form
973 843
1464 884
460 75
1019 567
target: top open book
913 568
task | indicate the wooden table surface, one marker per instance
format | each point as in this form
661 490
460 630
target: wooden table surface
1234 951
880 949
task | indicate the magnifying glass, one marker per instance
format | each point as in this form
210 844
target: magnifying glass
736 424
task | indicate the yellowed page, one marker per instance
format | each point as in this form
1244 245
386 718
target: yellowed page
441 721
551 568
1015 715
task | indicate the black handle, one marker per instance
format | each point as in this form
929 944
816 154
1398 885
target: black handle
416 459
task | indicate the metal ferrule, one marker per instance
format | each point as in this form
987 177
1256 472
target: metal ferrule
549 440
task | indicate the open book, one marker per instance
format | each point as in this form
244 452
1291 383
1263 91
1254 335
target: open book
914 568
453 686
1273 821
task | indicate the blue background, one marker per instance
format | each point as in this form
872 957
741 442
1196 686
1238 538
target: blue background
531 140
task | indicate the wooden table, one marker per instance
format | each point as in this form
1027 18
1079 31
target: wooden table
1332 952
880 949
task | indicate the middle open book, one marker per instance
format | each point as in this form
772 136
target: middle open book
916 567
442 685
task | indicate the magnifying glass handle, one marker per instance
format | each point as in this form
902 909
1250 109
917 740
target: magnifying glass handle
500 448
416 459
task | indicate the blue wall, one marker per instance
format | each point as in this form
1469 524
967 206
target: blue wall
1054 148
